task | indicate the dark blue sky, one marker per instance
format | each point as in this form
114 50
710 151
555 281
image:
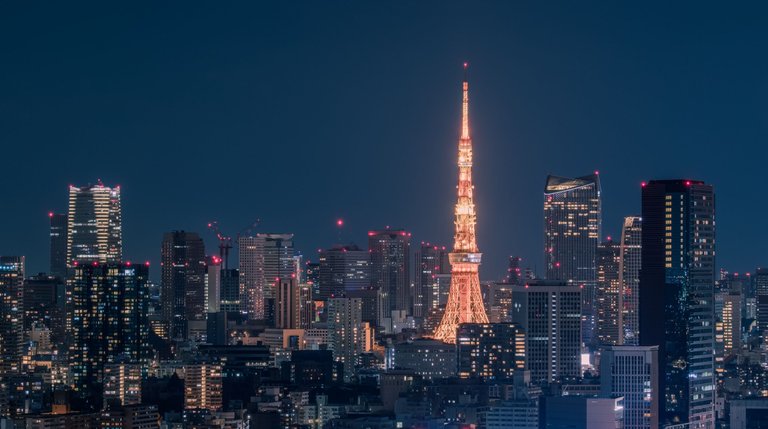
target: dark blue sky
300 113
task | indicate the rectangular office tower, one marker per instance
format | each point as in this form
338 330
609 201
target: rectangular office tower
109 322
343 269
390 259
58 235
632 372
182 283
677 284
572 229
11 314
430 262
94 225
549 312
490 351
629 271
609 297
264 259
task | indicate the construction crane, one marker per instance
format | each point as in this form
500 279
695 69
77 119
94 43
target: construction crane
225 241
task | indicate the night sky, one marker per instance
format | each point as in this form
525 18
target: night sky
302 113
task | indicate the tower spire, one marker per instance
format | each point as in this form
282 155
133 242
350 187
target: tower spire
465 107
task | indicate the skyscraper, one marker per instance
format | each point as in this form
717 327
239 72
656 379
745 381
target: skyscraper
94 225
343 269
430 261
608 295
490 351
760 280
58 234
390 251
203 386
43 302
11 314
677 283
109 321
345 331
514 271
287 304
632 372
572 229
465 302
182 277
264 260
549 312
213 285
629 270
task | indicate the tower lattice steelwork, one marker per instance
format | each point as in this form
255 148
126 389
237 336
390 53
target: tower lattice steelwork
465 302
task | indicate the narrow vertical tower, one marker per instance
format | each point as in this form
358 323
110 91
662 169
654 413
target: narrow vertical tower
465 303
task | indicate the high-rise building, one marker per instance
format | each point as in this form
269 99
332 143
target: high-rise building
213 285
677 283
343 269
632 372
727 324
629 270
122 384
43 302
203 387
306 306
490 351
465 301
287 305
264 260
430 261
109 321
231 296
390 254
572 229
345 331
182 282
549 312
514 271
94 225
760 280
608 294
11 313
312 276
58 235
430 359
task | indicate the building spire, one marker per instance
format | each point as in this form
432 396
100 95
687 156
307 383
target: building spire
465 107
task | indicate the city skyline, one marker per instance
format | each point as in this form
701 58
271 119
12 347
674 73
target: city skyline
534 115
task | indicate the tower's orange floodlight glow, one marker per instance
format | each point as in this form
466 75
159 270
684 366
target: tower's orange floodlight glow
465 302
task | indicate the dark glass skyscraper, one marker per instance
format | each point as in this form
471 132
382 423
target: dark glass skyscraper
390 255
629 270
677 283
109 322
182 277
572 229
430 261
58 234
343 269
11 315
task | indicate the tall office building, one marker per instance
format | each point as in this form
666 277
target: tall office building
213 285
390 251
58 243
572 229
760 280
94 225
632 372
11 313
264 260
288 303
43 302
306 306
203 387
727 324
182 282
490 351
430 261
109 321
345 331
629 270
514 271
231 296
343 269
677 280
549 312
609 294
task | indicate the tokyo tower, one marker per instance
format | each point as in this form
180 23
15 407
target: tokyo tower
465 303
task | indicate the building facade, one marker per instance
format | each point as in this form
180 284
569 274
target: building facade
390 251
94 225
490 351
343 269
632 372
629 270
264 260
609 296
182 282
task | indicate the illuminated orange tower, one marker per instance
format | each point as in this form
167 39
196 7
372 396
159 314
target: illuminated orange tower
465 302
